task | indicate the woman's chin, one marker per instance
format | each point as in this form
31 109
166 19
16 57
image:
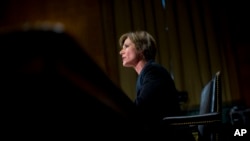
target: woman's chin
126 65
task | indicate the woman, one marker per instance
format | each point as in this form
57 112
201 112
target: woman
156 94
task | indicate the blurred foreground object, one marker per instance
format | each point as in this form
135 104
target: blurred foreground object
52 89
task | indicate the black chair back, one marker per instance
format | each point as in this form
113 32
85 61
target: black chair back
210 102
211 95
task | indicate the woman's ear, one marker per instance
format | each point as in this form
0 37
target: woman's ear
140 54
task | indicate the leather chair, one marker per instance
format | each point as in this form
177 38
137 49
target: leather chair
208 121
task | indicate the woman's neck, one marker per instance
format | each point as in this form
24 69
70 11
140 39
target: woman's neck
139 66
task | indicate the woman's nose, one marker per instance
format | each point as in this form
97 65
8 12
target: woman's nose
121 52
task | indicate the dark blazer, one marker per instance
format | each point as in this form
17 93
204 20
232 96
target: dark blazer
156 94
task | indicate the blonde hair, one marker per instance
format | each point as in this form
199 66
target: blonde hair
143 41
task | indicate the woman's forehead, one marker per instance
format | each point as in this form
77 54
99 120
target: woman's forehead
128 40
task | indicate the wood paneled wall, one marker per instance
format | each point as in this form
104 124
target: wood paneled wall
83 20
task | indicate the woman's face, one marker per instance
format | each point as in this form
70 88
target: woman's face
130 55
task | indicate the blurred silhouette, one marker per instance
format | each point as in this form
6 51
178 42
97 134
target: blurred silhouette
51 89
